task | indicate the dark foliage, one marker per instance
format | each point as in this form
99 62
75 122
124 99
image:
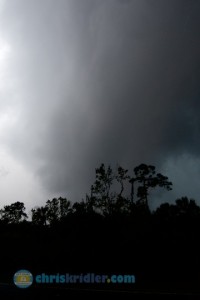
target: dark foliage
109 232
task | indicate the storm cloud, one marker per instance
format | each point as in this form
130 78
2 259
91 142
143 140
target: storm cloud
87 81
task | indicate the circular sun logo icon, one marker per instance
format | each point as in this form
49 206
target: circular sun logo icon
23 278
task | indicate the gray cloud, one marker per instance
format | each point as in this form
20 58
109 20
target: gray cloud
101 81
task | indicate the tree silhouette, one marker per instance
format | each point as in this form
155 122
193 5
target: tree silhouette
121 177
39 215
146 177
100 190
132 181
166 212
64 207
52 212
80 208
187 207
13 213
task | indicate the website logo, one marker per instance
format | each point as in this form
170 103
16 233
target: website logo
23 279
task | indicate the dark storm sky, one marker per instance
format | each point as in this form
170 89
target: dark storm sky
90 81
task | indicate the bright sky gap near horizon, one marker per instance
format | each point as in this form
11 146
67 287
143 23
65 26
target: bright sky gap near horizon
85 82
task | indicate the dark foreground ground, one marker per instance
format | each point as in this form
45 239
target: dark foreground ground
164 256
10 291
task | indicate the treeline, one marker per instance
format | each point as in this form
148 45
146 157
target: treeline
111 231
60 209
108 196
